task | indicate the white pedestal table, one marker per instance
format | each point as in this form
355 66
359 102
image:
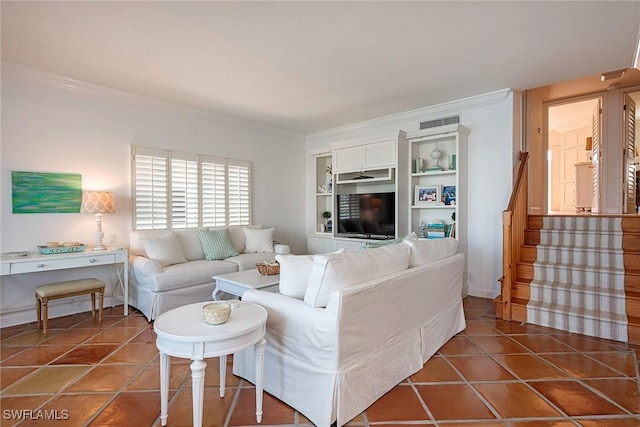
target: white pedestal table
182 332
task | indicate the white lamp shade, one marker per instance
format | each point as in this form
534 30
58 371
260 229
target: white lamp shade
97 202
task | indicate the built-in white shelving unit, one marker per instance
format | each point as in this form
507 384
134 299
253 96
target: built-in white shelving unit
438 183
359 166
324 191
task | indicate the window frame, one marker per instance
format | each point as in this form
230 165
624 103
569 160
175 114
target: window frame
180 190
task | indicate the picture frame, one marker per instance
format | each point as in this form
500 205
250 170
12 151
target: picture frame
45 192
427 195
449 195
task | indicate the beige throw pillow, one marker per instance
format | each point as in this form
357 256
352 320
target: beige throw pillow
258 240
165 249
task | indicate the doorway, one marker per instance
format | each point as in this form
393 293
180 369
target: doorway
573 156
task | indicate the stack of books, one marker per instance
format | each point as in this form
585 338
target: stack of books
436 231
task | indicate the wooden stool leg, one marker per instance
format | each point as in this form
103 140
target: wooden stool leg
93 305
45 314
38 311
100 307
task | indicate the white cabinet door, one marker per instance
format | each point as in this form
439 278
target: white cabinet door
319 245
348 159
380 154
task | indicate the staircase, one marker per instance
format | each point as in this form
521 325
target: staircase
579 274
578 277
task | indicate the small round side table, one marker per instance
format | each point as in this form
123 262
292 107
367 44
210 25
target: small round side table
183 333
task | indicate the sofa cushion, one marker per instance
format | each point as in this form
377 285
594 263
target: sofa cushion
249 261
189 274
334 272
423 251
164 249
295 271
258 240
216 244
191 247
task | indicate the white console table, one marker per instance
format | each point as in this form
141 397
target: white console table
34 262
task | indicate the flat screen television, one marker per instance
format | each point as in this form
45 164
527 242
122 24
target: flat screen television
367 215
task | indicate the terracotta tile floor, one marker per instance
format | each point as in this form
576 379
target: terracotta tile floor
495 373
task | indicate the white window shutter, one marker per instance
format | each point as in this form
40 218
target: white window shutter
239 183
183 190
214 192
185 203
150 189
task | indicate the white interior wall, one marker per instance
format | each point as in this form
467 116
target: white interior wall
53 124
491 119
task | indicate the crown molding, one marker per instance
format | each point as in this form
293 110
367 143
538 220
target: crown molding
397 121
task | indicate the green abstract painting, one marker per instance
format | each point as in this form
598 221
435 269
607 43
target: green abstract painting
44 192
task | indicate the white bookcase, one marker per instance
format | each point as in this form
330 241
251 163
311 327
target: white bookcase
438 190
323 192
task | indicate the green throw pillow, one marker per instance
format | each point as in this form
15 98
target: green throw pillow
216 244
379 243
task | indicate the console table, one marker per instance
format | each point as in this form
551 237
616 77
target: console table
33 262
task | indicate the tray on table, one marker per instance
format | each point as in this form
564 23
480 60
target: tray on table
45 250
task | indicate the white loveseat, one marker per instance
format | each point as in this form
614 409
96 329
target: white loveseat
366 321
168 269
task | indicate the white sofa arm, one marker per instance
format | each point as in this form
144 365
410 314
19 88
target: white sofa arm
297 329
281 249
145 266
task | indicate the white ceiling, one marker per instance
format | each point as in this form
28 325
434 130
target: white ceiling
309 66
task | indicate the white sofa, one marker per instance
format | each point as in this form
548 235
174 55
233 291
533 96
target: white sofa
176 272
366 321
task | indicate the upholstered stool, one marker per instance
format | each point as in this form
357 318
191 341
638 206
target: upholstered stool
71 288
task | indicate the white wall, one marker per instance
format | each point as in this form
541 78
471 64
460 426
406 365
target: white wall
53 124
492 144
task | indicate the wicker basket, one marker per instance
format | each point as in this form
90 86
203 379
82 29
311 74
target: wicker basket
267 269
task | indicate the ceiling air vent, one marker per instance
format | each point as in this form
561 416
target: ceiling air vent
440 122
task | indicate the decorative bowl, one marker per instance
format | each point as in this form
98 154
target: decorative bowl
216 313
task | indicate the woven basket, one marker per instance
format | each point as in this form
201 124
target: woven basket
268 269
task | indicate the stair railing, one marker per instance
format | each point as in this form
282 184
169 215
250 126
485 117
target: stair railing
514 223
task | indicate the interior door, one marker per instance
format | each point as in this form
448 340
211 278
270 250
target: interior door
596 151
629 155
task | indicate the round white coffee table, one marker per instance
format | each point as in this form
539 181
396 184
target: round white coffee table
183 333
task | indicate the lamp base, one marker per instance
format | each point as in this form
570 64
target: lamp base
99 248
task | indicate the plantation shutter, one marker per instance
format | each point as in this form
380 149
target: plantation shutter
214 192
629 204
185 204
595 156
174 190
239 191
150 195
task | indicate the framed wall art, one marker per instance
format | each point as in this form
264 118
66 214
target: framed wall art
45 192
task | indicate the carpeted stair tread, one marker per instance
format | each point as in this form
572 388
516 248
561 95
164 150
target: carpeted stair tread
580 288
578 313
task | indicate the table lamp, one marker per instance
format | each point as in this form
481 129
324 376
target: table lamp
98 203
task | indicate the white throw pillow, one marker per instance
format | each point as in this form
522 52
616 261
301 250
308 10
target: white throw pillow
165 249
430 250
258 240
237 235
334 272
295 271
